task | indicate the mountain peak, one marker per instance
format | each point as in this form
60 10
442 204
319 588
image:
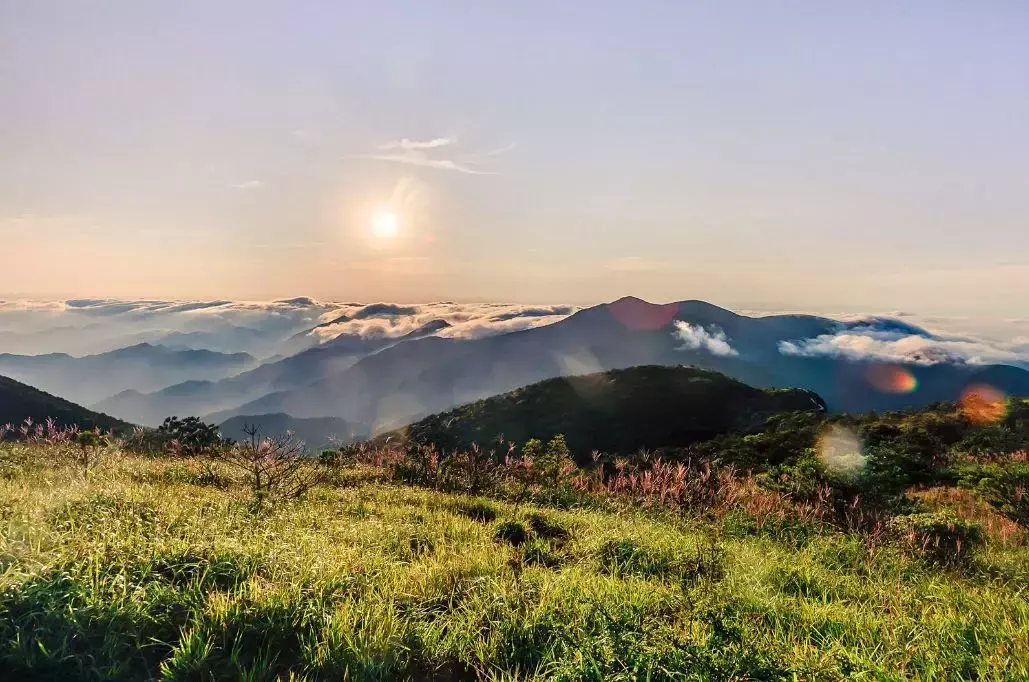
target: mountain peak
633 300
639 315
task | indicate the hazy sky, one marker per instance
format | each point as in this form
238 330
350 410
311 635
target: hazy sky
818 155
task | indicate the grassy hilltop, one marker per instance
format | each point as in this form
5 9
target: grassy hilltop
160 568
776 550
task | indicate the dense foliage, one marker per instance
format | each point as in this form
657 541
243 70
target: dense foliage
19 403
619 411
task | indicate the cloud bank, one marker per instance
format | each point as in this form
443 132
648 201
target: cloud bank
890 340
695 337
465 320
84 326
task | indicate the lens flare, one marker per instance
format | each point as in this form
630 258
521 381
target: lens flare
839 450
639 315
891 379
984 404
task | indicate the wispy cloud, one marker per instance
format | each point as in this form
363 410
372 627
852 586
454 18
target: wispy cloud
421 153
249 184
415 145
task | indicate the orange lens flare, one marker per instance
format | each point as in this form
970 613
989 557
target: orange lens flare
891 379
984 404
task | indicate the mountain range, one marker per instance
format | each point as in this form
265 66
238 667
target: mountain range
144 366
387 383
306 368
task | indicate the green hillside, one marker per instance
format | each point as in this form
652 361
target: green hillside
157 568
619 411
19 402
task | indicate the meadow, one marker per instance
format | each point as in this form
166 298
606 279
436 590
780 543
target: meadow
168 567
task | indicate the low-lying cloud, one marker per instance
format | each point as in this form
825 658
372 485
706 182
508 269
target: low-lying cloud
695 337
263 328
465 320
890 340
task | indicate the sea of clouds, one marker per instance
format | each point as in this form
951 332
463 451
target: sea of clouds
86 326
286 326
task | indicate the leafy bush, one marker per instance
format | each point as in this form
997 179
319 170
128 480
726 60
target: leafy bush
1006 487
188 437
938 537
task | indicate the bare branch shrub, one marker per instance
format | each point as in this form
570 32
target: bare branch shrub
276 468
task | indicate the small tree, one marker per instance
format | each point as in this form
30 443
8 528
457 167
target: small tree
275 467
545 467
474 470
189 437
91 448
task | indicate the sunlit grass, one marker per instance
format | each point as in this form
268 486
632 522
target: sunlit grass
147 570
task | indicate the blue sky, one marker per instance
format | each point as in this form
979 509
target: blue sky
861 155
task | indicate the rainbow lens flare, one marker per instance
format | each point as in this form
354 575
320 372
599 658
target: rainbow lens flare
891 379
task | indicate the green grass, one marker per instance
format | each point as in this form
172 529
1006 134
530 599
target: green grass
147 570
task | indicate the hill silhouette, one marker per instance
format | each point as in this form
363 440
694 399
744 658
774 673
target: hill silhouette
19 402
620 411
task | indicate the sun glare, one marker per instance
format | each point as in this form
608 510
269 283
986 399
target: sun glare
385 224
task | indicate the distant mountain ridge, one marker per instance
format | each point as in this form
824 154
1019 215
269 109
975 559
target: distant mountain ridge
143 366
411 378
291 373
19 402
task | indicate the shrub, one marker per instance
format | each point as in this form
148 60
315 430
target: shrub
938 537
680 486
188 437
547 469
337 463
92 445
416 464
1006 487
473 471
275 468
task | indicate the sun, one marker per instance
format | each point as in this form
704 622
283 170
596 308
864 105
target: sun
385 224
